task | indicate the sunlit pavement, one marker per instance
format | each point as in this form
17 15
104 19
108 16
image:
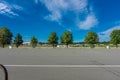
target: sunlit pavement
61 64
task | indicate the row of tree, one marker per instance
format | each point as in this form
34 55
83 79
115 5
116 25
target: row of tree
6 38
66 38
91 38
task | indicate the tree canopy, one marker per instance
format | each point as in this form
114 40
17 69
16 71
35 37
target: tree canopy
18 40
53 39
115 37
5 36
91 38
33 42
66 38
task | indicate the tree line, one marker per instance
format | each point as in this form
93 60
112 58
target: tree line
66 38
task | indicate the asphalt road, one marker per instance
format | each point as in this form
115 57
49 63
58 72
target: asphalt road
40 58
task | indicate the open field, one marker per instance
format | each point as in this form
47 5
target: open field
61 64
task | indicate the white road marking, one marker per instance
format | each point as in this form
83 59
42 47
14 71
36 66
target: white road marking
63 66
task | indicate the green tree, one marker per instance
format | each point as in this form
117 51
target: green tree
67 38
18 40
91 39
5 36
53 39
115 37
33 42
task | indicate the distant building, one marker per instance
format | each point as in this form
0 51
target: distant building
26 43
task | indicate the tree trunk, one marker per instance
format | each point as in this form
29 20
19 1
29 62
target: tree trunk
53 45
16 46
67 45
92 46
33 45
3 45
116 46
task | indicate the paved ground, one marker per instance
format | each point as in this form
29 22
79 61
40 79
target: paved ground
46 57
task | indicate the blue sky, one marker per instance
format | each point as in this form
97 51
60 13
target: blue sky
40 17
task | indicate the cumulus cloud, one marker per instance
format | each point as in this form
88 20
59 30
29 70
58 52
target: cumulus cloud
58 7
55 7
6 9
78 5
89 22
104 36
17 7
54 16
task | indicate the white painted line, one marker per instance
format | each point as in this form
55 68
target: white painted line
63 66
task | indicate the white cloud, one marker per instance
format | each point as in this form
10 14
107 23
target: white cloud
56 7
17 7
89 22
78 5
55 16
7 9
104 36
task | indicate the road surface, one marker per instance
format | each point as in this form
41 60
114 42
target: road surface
61 64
